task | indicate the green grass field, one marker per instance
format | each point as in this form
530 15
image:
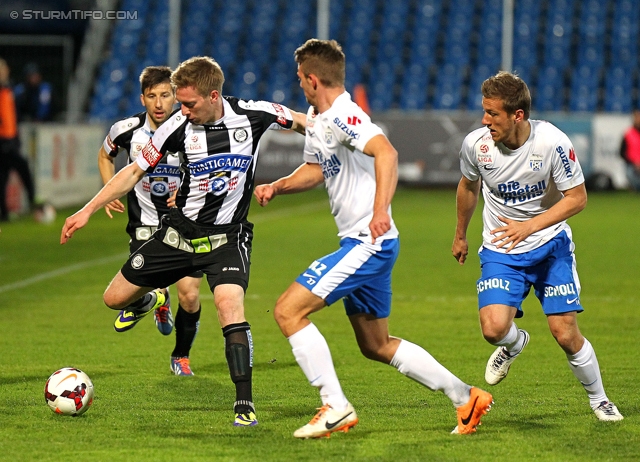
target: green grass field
52 316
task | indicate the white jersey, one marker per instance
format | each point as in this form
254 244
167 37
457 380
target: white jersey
522 183
335 140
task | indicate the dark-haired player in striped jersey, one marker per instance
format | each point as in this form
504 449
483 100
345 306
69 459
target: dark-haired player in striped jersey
218 138
147 202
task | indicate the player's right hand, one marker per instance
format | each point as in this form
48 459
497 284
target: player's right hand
264 193
72 224
460 250
115 205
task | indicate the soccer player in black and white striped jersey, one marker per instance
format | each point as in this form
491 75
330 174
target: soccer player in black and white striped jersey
218 138
147 202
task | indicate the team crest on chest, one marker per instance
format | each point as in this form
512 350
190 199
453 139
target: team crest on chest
240 135
328 135
535 162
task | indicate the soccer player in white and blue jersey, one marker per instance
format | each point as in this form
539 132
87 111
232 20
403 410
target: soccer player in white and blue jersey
359 168
532 183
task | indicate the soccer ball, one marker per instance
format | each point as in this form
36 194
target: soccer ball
69 391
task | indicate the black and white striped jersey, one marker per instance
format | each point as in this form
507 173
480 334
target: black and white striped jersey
147 201
219 161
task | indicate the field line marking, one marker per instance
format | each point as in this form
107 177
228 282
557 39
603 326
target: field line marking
284 213
60 272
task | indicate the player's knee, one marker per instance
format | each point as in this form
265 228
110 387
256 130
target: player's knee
111 301
280 314
493 333
568 340
189 300
373 353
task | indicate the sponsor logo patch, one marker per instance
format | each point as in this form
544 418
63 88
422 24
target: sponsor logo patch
151 154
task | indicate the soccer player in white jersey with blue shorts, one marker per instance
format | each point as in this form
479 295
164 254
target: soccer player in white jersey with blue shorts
358 165
532 183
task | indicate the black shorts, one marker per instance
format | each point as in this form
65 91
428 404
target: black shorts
180 247
146 232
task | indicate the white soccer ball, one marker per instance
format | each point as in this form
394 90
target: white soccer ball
69 391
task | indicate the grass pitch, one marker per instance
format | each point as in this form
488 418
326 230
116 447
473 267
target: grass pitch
53 316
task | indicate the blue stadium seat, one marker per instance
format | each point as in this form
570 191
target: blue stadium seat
448 87
550 90
618 90
413 95
584 89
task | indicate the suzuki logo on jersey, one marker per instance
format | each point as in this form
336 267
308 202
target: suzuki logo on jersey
565 160
353 120
342 126
512 192
221 163
493 283
330 166
561 291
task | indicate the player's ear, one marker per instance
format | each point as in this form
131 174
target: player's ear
141 99
213 96
519 115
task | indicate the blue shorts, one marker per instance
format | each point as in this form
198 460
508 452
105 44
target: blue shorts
359 272
551 270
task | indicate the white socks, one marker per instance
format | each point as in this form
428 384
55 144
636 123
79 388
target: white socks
513 341
584 366
314 358
417 364
312 354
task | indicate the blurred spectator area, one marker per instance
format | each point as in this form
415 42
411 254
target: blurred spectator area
576 55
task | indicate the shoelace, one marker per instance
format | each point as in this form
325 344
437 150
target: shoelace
162 314
607 409
321 412
183 363
502 357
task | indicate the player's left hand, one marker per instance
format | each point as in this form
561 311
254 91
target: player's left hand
380 224
171 202
511 234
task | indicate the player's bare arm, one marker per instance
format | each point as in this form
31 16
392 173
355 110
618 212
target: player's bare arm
299 122
514 232
118 186
304 178
107 168
466 202
386 166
